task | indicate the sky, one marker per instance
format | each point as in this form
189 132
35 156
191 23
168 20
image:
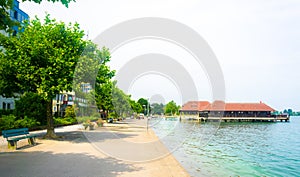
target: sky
256 43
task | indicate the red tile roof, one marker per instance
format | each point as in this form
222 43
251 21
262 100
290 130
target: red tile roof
248 107
195 105
222 106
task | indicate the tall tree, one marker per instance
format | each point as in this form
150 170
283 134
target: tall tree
136 107
290 111
92 69
42 59
6 23
103 96
144 103
120 100
157 108
171 108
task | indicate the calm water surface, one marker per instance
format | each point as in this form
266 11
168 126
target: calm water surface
233 149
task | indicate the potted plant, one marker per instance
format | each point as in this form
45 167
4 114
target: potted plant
89 124
86 125
100 122
92 126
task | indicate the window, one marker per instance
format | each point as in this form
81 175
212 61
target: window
16 15
70 98
3 105
8 106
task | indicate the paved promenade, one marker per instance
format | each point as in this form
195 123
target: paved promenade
124 149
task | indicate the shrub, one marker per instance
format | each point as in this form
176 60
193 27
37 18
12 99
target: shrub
64 121
71 120
5 112
70 112
70 115
10 122
85 119
26 123
31 105
7 122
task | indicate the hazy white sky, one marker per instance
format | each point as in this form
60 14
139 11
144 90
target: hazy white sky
257 42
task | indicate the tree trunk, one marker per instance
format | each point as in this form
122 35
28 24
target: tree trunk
50 122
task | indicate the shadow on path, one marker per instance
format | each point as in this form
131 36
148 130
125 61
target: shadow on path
88 136
59 164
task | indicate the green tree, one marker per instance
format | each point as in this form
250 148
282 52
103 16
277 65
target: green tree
144 103
290 111
157 108
171 108
92 69
136 107
6 23
103 97
42 59
121 103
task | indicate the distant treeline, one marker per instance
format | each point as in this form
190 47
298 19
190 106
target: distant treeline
288 111
295 114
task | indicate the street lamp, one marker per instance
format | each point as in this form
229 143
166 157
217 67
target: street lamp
144 109
148 113
57 104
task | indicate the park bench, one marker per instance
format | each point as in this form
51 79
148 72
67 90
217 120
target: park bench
14 135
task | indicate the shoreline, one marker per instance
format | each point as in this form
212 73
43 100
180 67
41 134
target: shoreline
126 140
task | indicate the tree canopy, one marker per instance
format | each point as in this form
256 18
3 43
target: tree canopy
157 108
144 104
121 101
136 107
42 59
171 108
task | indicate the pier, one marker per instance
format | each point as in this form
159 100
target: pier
236 119
204 111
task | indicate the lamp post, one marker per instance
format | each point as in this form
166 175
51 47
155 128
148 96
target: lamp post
144 109
57 105
148 105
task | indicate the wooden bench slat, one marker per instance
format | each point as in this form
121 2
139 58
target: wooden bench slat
18 138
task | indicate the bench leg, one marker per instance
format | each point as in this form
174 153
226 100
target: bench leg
12 144
31 141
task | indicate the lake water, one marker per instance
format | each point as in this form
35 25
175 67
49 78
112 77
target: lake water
233 149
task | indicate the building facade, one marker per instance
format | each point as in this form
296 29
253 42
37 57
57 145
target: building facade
16 14
65 99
